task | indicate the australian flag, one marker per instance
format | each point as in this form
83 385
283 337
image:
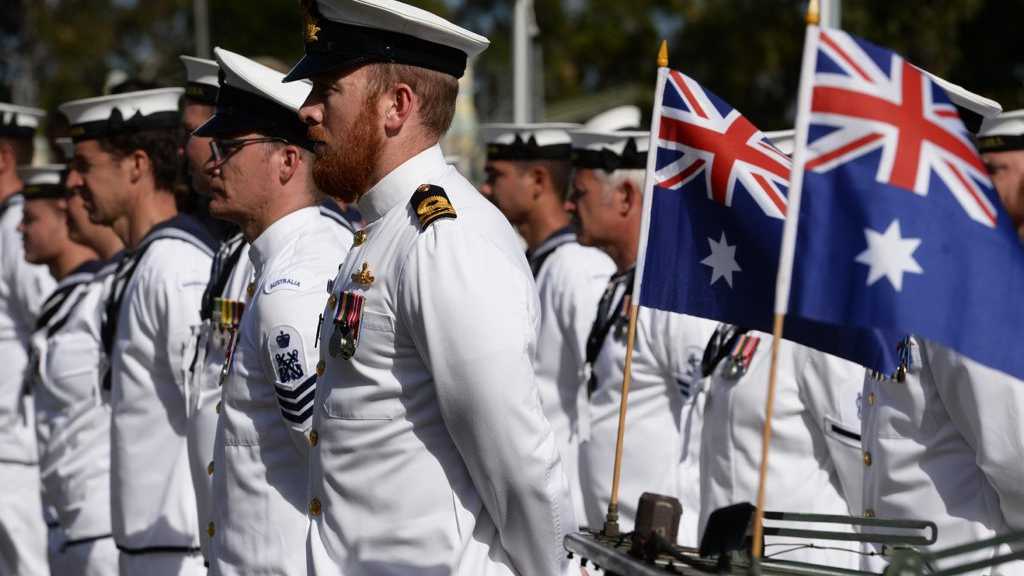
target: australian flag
899 226
714 223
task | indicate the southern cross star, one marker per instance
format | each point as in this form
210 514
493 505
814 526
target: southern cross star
722 260
889 254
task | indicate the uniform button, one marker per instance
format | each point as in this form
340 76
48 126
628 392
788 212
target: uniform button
871 399
314 438
314 507
867 458
321 366
211 529
219 404
332 301
869 513
209 468
359 238
250 289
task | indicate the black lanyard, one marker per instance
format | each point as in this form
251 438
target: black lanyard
607 316
718 347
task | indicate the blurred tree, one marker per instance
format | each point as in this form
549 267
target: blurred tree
595 52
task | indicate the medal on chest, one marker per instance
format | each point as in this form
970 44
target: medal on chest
348 314
742 354
227 316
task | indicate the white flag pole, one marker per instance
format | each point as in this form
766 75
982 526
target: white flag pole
611 522
789 233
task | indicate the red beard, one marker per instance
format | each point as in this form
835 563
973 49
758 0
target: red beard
344 170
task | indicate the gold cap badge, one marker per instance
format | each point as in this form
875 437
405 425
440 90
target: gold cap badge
309 15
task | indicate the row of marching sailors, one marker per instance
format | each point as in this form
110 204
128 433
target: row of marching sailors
224 448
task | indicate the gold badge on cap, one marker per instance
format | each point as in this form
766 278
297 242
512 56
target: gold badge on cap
431 204
309 15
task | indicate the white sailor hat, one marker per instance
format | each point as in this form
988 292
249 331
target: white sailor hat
19 121
619 118
782 139
973 108
121 113
200 79
526 142
252 98
343 34
610 150
1002 133
43 181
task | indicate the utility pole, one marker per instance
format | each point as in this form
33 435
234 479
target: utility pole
524 28
201 15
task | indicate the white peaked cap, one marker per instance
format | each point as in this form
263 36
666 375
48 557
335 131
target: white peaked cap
1006 124
610 150
543 134
782 139
141 110
1004 133
249 75
46 174
200 70
19 121
619 118
349 32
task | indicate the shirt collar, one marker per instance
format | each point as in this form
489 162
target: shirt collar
400 184
279 234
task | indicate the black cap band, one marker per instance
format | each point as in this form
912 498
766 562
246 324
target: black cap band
529 150
116 124
334 46
202 93
609 161
44 191
239 111
1000 143
15 131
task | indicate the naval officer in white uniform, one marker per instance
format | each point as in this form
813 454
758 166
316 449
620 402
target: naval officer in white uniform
125 164
22 289
260 179
662 440
430 451
72 411
528 171
943 439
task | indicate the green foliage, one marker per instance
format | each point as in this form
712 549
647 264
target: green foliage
594 51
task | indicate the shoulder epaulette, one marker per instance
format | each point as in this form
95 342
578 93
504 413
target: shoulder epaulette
431 203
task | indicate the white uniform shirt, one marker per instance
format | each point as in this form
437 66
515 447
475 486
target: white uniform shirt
815 461
433 454
570 279
663 420
72 411
22 290
947 445
230 273
154 503
261 468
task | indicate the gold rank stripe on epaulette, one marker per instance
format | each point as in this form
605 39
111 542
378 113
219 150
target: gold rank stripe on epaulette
431 203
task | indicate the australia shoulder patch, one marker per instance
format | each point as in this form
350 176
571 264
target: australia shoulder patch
431 203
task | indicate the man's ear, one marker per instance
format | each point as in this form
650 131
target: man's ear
401 103
631 199
537 178
139 165
290 160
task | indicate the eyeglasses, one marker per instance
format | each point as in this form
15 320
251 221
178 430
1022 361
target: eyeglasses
224 149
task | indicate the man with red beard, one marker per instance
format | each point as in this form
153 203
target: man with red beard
430 450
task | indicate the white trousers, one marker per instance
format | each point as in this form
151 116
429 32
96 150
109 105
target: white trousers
23 537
